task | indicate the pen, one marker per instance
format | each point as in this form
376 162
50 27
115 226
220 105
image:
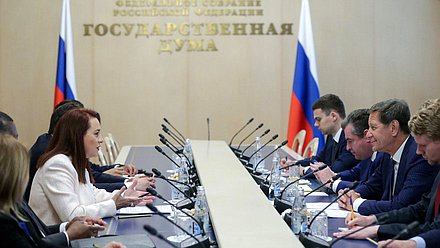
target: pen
351 206
371 240
143 195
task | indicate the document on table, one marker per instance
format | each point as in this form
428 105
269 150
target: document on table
166 209
333 211
306 188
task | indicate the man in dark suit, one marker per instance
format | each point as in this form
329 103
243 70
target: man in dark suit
355 128
328 112
425 127
401 180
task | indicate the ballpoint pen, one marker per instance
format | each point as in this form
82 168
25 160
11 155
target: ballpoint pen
351 208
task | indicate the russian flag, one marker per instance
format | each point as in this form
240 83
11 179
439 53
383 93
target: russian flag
305 83
65 88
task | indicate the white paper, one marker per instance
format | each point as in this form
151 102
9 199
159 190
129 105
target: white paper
321 205
166 209
333 213
306 188
318 194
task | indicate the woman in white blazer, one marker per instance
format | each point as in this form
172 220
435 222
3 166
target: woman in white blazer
62 188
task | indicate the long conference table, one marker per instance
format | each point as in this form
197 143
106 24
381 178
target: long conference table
240 213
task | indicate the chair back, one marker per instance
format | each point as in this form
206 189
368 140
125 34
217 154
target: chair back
114 145
311 148
102 159
298 142
108 146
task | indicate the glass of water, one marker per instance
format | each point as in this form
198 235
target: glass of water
319 226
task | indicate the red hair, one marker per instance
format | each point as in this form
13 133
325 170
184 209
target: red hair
68 139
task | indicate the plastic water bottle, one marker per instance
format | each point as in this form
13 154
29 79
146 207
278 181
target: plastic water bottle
201 211
290 193
183 178
299 213
258 156
275 177
187 150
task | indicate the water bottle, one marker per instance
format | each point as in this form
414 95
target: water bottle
290 193
275 177
183 178
201 211
299 213
257 157
187 150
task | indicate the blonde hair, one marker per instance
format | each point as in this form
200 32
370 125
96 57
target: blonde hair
14 167
427 120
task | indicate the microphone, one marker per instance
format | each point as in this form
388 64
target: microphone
405 231
151 230
171 125
201 243
253 142
380 220
256 129
161 151
302 177
209 131
279 204
154 193
270 153
265 144
164 141
159 175
167 141
241 129
334 178
311 241
172 135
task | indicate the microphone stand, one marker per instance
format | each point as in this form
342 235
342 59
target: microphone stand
253 142
335 177
405 231
264 145
312 241
154 209
151 230
172 135
256 129
171 125
245 125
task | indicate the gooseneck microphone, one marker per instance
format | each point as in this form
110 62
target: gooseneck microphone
264 145
161 137
155 210
170 181
171 125
154 193
164 141
163 153
172 135
335 177
256 129
379 221
405 231
241 129
302 177
151 230
270 153
311 241
209 130
253 142
168 144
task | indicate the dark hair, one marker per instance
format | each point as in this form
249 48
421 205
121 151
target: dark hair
393 109
330 103
359 120
68 139
7 125
60 110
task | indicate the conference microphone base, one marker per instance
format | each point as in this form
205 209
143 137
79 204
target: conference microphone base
191 243
281 205
185 203
310 241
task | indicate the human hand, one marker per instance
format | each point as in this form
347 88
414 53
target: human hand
144 182
130 170
369 232
344 201
119 171
114 244
398 244
325 175
86 228
125 201
359 220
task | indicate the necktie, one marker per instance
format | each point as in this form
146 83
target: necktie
393 177
437 201
334 151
